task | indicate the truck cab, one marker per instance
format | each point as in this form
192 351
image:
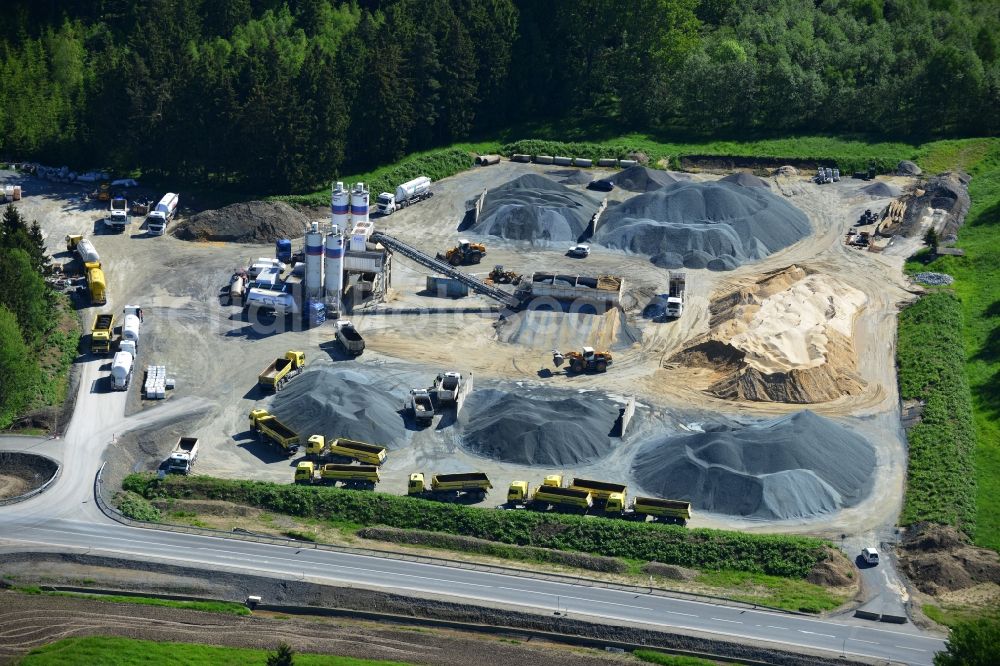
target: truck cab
386 203
517 492
304 472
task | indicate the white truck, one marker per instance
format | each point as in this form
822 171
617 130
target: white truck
675 295
181 459
131 323
448 386
119 216
121 370
421 406
408 193
349 337
164 211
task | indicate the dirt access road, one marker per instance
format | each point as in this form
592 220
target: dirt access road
216 355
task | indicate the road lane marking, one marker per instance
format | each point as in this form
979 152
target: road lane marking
719 619
678 613
816 633
771 626
861 640
909 648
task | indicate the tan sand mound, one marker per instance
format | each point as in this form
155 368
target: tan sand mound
784 338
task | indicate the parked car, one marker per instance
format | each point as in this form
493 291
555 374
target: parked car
870 555
601 185
581 251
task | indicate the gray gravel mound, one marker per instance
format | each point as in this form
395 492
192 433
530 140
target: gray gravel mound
745 180
795 466
528 429
577 177
908 168
643 179
880 189
341 403
249 222
703 225
937 279
535 208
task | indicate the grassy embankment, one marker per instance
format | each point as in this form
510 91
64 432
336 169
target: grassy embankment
764 569
226 607
133 652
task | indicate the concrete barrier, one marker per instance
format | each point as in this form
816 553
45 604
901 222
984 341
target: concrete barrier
627 163
518 157
487 160
562 161
582 162
607 162
543 159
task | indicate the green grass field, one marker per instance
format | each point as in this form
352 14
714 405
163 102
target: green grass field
106 651
654 657
226 607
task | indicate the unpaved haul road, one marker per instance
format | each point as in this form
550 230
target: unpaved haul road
65 518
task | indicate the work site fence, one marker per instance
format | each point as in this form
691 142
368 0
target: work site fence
244 535
37 491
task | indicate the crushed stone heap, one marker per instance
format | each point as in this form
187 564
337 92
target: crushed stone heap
643 179
793 467
249 222
537 209
711 225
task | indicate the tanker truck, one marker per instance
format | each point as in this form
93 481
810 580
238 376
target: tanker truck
165 210
121 370
408 193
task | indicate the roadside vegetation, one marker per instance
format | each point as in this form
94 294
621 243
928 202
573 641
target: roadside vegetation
133 652
977 287
226 607
787 556
39 331
664 659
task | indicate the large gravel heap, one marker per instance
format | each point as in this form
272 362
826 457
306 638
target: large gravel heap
341 403
538 429
881 190
745 179
643 179
535 208
703 225
795 466
250 222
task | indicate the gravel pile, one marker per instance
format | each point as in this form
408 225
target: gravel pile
643 179
535 429
535 208
249 222
745 179
574 177
703 225
881 190
908 168
795 466
936 279
341 403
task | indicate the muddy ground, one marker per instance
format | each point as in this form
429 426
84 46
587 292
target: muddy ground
215 354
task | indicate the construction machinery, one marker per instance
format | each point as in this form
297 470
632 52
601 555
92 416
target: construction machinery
104 191
867 217
472 485
275 376
586 360
611 495
118 217
448 386
463 254
269 428
164 211
319 447
101 333
182 457
349 337
499 276
677 512
518 493
353 476
675 295
122 366
421 406
552 494
238 286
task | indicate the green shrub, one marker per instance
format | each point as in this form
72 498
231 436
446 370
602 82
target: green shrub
778 555
136 507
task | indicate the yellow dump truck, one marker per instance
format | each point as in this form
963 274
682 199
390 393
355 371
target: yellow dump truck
467 485
276 375
101 332
677 512
97 285
269 428
368 454
353 476
518 493
561 498
611 495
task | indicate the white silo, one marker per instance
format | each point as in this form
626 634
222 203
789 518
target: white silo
314 262
334 269
340 204
359 203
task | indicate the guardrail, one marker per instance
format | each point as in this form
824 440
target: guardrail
40 489
117 516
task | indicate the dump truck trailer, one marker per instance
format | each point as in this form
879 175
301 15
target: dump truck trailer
349 337
562 498
359 476
421 406
450 486
368 454
269 427
182 457
677 512
101 333
611 495
281 370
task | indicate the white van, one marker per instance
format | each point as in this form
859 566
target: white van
870 555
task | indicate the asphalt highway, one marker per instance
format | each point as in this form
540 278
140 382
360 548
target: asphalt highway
66 517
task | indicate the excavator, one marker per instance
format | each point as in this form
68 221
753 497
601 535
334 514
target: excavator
464 253
586 360
500 276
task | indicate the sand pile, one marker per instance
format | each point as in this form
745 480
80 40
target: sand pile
643 179
535 208
796 466
744 179
535 428
250 222
703 225
784 338
341 403
881 190
555 329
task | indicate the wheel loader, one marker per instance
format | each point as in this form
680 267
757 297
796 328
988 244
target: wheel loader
500 276
586 360
464 253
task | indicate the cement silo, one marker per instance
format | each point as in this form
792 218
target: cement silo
314 262
340 204
359 203
334 269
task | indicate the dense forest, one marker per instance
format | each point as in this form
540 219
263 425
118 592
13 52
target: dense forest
280 95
